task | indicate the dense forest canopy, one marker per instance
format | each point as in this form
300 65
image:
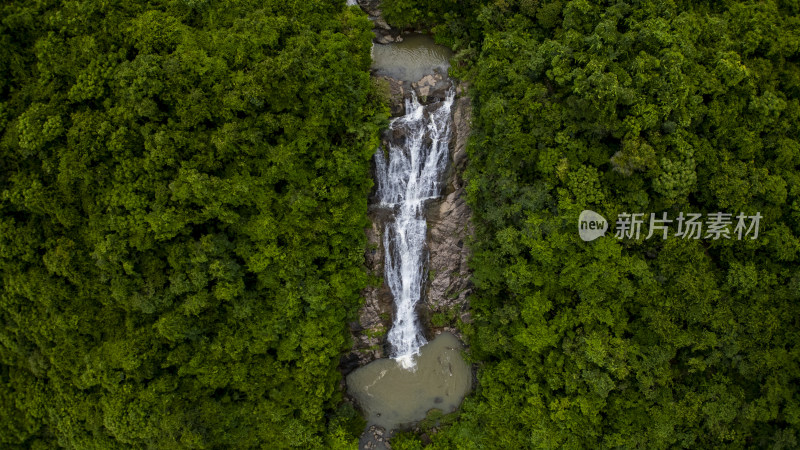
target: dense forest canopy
183 194
628 106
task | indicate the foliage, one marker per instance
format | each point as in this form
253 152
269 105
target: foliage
182 204
452 21
640 106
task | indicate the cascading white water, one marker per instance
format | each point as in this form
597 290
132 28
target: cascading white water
411 176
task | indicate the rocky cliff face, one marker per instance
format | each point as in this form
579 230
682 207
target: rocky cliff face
449 226
447 286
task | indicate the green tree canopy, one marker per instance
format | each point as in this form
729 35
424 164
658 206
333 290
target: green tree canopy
182 204
636 106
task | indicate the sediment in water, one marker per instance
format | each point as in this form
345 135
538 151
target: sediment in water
391 396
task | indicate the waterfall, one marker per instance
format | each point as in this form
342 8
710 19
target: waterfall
417 158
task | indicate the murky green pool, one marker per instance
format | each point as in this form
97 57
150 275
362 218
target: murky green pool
392 396
412 59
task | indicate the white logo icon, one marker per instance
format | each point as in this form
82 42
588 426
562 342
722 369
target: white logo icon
591 225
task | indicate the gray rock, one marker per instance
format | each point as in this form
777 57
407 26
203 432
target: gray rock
424 85
373 438
383 38
432 87
380 22
385 35
371 7
439 90
449 226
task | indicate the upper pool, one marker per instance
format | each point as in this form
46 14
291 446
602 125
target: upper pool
412 59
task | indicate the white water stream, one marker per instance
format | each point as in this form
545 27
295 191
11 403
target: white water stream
411 176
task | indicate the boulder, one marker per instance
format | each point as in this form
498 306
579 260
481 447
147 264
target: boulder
383 38
386 36
375 438
424 85
380 22
371 7
432 88
449 227
374 317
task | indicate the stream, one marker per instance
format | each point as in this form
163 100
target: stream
419 376
411 176
411 59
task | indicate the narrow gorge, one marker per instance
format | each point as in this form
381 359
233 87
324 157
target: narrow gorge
406 358
408 176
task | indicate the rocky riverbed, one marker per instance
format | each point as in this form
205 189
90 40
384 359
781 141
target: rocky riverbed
447 284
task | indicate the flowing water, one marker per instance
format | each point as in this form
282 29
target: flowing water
412 59
419 376
411 176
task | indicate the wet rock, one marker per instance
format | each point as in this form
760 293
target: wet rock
449 225
432 88
448 283
374 317
398 135
373 438
380 22
386 35
423 86
383 38
371 7
439 90
462 116
349 363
